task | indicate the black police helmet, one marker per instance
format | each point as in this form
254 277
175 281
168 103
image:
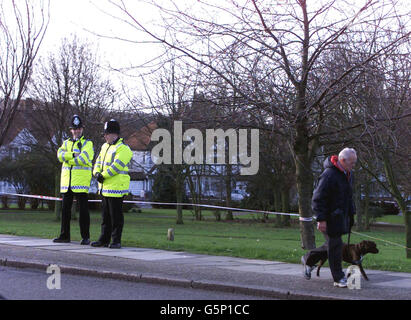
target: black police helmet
112 126
76 122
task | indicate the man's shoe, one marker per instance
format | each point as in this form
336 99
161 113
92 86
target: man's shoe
114 246
307 269
99 244
61 240
341 283
85 242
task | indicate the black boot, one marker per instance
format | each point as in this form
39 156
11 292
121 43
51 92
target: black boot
61 240
85 242
99 244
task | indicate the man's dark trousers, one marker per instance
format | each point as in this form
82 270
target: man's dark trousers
113 220
332 248
84 219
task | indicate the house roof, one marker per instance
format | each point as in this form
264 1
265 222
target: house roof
139 140
23 119
136 130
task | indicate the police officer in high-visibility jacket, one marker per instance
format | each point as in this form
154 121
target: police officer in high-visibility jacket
76 154
111 171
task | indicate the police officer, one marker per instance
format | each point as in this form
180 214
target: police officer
111 171
76 154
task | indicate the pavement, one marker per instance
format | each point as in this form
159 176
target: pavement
257 278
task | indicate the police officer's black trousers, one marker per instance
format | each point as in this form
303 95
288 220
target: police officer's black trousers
332 248
113 220
84 219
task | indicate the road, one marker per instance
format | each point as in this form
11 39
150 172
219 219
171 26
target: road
28 284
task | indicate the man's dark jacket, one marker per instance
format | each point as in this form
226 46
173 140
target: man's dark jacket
333 199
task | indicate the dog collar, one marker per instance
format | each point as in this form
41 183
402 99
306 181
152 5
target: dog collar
356 262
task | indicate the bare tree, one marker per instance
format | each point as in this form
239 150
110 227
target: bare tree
68 82
289 42
169 99
23 25
386 95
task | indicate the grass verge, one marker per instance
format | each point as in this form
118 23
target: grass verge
246 238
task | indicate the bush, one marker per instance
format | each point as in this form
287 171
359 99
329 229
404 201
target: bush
34 203
375 212
217 214
21 202
389 208
128 206
51 204
135 210
5 202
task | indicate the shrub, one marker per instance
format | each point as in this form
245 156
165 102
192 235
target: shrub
217 214
5 202
375 212
21 202
34 203
51 204
128 206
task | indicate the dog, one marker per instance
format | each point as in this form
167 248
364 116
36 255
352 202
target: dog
354 254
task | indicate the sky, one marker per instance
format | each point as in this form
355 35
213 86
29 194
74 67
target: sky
90 21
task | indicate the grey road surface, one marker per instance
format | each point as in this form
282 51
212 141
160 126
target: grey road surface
27 284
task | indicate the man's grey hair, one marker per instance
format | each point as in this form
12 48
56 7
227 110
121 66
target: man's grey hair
347 153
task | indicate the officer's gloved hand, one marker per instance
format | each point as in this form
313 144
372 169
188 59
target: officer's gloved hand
99 177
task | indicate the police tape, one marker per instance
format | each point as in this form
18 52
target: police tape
162 203
303 219
31 196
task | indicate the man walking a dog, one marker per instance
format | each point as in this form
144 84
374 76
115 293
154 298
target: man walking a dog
334 209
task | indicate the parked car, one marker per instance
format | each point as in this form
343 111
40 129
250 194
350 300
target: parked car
237 194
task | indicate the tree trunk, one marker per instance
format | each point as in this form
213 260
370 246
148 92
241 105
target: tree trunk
285 204
305 190
277 205
407 217
198 199
367 204
195 195
303 159
179 198
389 172
229 215
357 200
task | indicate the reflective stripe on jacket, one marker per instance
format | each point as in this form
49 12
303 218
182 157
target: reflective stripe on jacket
76 158
112 163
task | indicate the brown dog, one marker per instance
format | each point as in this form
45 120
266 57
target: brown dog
354 254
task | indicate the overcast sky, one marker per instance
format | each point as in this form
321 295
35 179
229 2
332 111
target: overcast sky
86 18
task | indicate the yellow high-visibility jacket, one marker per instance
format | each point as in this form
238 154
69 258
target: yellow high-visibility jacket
77 165
112 163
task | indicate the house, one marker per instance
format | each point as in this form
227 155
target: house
141 165
16 139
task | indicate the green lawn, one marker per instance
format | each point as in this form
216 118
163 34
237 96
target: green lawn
244 237
391 219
